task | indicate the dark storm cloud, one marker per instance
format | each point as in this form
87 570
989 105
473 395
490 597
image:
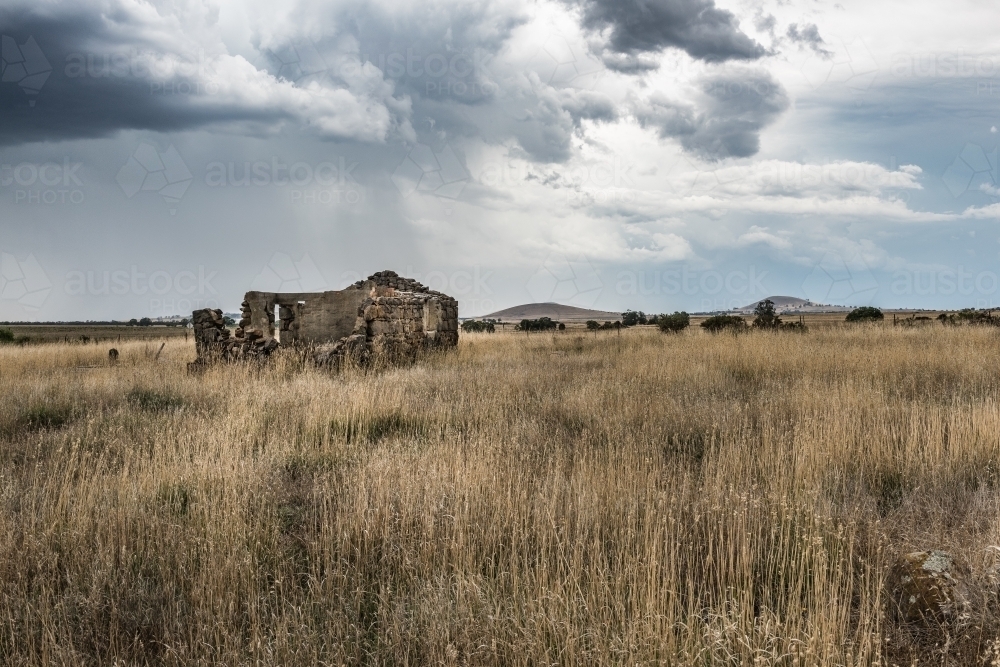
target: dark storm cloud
697 27
116 70
733 109
808 35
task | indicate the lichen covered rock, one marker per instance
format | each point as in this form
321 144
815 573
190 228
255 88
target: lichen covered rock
929 587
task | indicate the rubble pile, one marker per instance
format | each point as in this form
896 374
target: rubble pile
214 342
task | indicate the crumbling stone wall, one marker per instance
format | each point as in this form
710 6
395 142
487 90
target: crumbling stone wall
398 318
385 316
214 343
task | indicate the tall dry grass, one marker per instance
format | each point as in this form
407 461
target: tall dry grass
553 499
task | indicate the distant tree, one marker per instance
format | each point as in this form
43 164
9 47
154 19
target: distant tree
562 327
478 327
719 323
865 314
676 322
133 322
145 322
229 321
541 324
593 325
630 318
765 316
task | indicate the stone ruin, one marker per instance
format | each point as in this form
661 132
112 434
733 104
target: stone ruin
385 317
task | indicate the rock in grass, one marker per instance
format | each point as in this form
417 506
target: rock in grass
929 587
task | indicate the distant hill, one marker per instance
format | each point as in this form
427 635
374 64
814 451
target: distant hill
555 311
794 304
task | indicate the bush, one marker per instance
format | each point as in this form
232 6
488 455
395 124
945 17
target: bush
541 324
970 316
865 314
472 326
630 318
676 322
718 323
7 337
766 317
593 325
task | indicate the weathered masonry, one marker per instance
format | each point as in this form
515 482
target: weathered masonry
386 315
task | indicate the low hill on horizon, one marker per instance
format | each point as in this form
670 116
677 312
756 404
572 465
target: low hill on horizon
792 303
555 311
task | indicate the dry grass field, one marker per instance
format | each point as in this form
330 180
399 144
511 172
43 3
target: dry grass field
565 499
92 333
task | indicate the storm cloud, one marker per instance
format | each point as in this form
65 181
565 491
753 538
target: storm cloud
697 27
732 110
126 67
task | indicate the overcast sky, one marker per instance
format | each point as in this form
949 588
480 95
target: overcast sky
161 156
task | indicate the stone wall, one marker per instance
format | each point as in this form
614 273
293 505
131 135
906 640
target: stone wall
214 343
385 317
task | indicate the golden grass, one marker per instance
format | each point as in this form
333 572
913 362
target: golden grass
552 499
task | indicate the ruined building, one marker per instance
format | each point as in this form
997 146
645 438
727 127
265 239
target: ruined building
384 316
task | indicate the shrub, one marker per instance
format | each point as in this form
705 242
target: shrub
718 323
676 322
970 316
473 326
541 324
593 325
865 314
630 318
6 336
